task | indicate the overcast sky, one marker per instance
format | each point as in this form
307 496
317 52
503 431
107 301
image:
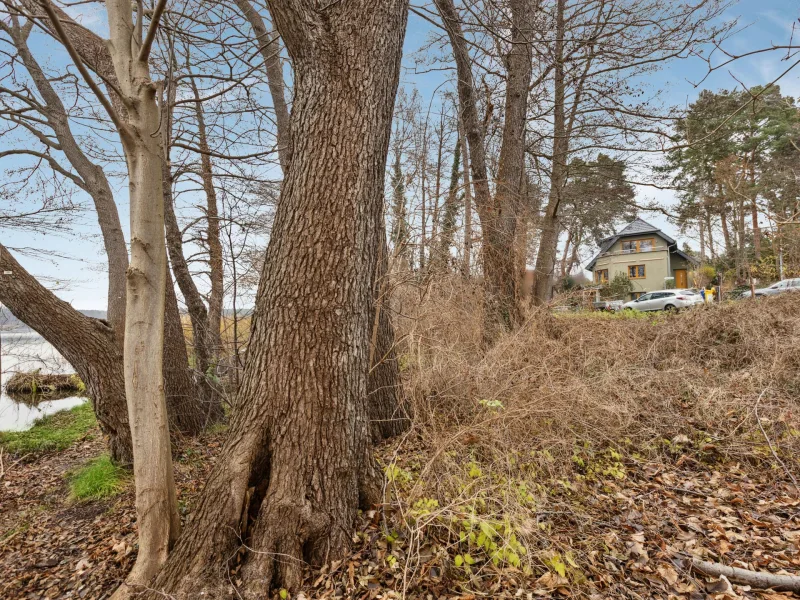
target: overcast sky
78 274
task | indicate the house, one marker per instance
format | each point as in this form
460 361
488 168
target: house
648 256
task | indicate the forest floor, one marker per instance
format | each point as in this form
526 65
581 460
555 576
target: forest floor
580 458
602 537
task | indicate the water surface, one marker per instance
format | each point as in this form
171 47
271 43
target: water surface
27 352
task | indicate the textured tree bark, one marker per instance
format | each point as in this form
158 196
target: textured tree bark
297 462
754 208
88 344
500 231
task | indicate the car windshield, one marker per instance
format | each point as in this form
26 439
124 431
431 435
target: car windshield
645 297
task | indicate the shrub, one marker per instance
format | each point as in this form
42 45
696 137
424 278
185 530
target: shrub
618 288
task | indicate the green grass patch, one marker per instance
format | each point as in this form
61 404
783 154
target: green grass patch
51 433
97 479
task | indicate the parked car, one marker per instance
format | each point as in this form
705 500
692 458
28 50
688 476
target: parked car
665 300
787 285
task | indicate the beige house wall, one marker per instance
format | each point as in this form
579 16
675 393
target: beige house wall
656 262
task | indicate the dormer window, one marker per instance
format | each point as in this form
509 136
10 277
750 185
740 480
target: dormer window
634 246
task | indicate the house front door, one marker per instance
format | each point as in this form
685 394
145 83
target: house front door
680 278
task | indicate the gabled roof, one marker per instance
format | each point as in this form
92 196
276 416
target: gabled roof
637 227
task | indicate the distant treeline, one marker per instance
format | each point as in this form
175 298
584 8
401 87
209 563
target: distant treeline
9 322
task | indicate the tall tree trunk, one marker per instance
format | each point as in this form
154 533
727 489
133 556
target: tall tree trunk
754 208
710 237
474 132
88 344
197 387
500 223
156 503
306 373
467 265
215 264
573 261
498 215
723 217
702 227
423 242
564 256
548 244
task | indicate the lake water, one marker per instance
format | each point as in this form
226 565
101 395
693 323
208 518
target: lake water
28 352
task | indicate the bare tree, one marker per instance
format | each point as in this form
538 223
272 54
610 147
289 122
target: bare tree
306 373
497 211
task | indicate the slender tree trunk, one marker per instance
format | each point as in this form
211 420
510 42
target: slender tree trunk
387 407
270 48
89 345
500 223
548 244
441 256
92 180
754 209
196 390
467 266
499 214
306 373
744 272
435 216
566 253
423 242
710 236
215 262
156 503
183 407
702 227
475 156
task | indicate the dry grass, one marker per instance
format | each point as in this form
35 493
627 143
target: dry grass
577 378
500 436
47 384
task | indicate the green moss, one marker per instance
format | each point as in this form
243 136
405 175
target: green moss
98 479
51 433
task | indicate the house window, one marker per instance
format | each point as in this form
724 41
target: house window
636 272
638 246
601 276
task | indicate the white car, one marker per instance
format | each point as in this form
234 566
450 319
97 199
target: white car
665 300
787 285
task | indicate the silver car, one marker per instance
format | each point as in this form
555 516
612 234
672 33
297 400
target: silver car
787 285
665 300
